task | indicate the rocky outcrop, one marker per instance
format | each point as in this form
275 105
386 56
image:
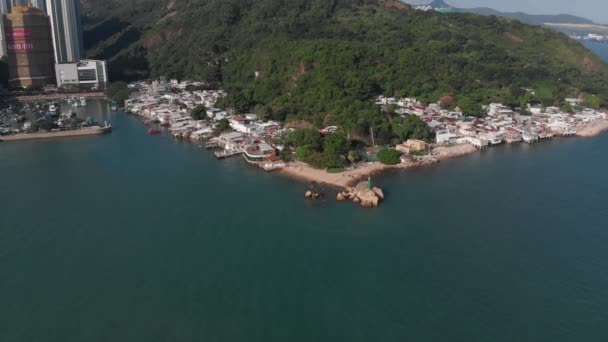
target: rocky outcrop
310 194
378 193
363 195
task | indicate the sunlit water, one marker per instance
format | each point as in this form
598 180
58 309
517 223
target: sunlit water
129 237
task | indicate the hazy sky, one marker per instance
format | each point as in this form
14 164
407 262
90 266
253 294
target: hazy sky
596 10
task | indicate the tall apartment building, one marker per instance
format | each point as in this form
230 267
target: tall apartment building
29 47
5 8
67 30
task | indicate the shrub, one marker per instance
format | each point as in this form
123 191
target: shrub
286 154
389 156
303 153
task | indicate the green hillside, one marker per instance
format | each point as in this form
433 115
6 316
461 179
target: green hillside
323 60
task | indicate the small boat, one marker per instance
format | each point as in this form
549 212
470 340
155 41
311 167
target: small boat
272 166
153 131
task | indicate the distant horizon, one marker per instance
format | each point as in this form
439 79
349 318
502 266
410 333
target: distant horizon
589 9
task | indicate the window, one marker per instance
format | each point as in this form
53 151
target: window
87 75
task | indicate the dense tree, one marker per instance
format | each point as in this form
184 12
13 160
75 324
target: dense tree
336 143
286 154
199 113
314 59
303 153
305 137
389 156
222 126
118 91
469 106
412 127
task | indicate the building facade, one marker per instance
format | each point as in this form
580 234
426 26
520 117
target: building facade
5 8
67 30
29 47
86 74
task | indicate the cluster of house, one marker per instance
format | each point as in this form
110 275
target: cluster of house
170 104
500 124
592 37
443 8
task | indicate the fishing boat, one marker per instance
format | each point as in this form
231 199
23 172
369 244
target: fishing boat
153 131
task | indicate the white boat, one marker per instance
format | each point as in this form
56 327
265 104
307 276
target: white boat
272 166
83 102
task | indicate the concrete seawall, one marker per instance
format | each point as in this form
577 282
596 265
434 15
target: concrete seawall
95 130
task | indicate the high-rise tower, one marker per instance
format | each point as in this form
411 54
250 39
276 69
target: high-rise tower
29 47
5 8
5 5
67 30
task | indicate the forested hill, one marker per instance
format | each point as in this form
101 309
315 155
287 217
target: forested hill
324 59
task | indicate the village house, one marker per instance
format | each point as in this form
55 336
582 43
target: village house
412 145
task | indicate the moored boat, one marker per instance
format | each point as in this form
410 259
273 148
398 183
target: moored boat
272 166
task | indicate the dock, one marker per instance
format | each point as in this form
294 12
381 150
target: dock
227 153
212 145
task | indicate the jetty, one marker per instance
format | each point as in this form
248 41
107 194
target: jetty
92 130
227 153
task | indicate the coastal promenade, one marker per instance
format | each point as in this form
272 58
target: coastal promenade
94 130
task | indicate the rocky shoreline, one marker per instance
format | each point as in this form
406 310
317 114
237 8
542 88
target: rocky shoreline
350 181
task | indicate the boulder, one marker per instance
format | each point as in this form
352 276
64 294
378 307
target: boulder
375 201
356 200
378 193
308 194
369 198
340 197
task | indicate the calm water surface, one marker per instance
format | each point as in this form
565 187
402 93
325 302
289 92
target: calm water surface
128 237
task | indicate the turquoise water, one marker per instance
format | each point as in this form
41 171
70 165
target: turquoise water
128 237
599 48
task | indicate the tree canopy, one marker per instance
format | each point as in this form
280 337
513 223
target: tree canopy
324 60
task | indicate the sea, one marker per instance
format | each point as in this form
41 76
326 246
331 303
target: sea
131 237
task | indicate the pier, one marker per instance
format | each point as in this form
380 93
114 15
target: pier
227 153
